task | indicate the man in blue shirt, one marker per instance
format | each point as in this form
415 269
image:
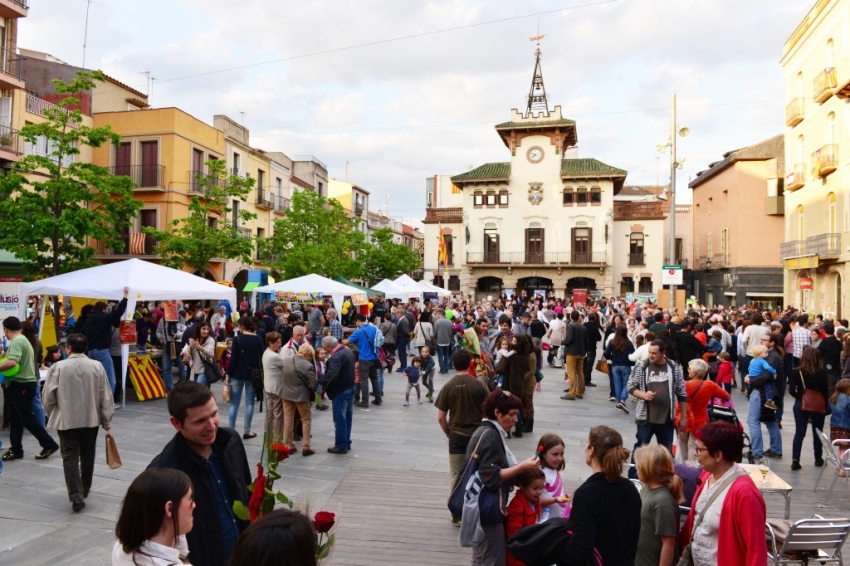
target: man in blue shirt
364 339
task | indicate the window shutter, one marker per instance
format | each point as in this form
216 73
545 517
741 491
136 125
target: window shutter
150 173
122 159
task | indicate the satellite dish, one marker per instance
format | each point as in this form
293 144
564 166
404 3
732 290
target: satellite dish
684 132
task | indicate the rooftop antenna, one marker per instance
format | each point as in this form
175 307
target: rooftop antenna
149 79
537 94
387 205
243 117
86 30
347 163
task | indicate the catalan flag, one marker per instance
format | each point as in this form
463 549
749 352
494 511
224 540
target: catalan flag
443 255
146 379
137 243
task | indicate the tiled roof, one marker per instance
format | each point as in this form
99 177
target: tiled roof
486 171
589 167
536 124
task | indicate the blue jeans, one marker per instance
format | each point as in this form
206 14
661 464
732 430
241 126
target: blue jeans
401 346
444 358
343 411
202 379
621 378
167 376
802 420
663 435
317 340
105 359
381 377
754 427
37 405
236 386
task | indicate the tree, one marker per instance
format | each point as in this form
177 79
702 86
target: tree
386 259
317 236
46 219
207 233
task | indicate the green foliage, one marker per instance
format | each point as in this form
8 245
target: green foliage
46 221
386 259
208 232
317 236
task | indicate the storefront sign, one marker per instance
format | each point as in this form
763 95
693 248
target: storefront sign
805 283
802 262
10 296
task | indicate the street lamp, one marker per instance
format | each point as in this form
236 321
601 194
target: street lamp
674 165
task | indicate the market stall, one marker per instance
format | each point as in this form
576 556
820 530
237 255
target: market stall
393 290
311 289
147 282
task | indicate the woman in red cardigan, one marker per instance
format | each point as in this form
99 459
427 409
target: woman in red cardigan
733 525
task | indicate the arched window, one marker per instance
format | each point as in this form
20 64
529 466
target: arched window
801 223
801 150
830 128
830 54
800 85
832 221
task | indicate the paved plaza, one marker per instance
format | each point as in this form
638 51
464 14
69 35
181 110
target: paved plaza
389 491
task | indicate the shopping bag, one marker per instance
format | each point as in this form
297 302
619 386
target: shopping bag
113 460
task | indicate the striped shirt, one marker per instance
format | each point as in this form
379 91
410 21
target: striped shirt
336 329
802 338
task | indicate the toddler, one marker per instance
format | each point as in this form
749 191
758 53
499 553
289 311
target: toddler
224 360
524 508
504 351
757 365
839 422
427 367
412 372
715 345
554 502
724 371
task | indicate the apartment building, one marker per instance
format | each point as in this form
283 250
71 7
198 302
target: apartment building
354 199
815 248
310 173
12 85
638 240
737 204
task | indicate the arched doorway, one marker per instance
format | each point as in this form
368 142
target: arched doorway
532 284
489 285
580 283
240 280
207 274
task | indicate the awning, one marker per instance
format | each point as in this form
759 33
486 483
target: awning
763 294
251 285
367 290
729 294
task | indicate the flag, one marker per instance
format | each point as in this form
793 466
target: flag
443 255
137 243
146 379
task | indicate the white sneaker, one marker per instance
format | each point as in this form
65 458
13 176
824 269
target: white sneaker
612 399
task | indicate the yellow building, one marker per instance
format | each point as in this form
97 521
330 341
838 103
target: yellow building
12 85
354 199
162 150
816 247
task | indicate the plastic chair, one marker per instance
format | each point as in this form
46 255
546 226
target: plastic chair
809 540
831 457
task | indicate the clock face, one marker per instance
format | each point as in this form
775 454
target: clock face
535 154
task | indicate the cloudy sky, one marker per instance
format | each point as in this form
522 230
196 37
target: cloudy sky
404 89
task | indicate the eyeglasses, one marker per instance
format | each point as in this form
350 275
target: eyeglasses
697 450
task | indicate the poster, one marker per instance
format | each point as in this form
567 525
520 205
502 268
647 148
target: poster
580 297
359 299
301 297
169 308
642 297
10 296
127 331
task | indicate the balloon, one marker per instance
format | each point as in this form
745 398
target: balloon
346 304
12 371
371 305
344 310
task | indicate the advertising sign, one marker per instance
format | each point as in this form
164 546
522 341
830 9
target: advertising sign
671 275
301 297
10 296
805 283
580 296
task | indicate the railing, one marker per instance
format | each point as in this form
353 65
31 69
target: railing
796 178
794 112
823 84
22 3
824 245
245 233
825 160
704 262
37 106
143 175
11 64
281 204
309 158
11 141
444 215
720 260
637 259
794 248
679 261
358 210
539 258
265 198
151 247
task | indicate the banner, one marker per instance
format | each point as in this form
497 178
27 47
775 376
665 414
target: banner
169 309
127 331
302 297
642 297
10 296
579 296
359 299
146 379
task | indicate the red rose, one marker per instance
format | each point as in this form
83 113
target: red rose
281 450
255 504
323 521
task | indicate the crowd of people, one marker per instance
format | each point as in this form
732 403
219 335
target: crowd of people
665 370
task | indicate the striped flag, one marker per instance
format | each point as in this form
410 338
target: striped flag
443 255
137 243
146 379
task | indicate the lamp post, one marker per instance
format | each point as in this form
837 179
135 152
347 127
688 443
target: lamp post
674 165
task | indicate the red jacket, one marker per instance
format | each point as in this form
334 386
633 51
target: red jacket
520 514
740 538
724 372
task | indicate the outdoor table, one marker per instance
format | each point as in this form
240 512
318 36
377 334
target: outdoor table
773 484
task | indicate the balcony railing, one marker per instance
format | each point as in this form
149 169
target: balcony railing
281 204
443 215
144 176
824 245
245 233
794 248
705 262
358 210
265 198
11 141
825 160
11 64
150 247
637 259
824 84
794 112
796 179
535 258
37 106
682 262
720 260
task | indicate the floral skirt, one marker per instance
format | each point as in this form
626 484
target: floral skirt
838 433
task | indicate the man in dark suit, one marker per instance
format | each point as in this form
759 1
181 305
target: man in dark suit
338 383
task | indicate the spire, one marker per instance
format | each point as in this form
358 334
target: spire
537 102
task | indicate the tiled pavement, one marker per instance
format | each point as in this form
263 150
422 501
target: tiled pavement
389 490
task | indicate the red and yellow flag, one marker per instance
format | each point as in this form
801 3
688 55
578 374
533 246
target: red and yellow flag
146 379
443 255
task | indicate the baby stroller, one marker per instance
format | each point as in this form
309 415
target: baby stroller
724 411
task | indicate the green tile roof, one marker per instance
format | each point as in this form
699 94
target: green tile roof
486 171
589 168
536 124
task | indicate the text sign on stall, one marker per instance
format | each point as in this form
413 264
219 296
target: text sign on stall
10 296
671 275
806 283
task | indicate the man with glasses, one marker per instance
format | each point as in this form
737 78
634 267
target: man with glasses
756 414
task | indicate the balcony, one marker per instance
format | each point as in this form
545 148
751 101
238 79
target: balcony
281 204
535 258
720 260
37 106
774 206
679 261
246 233
134 245
825 160
11 144
11 70
637 259
796 179
144 176
443 215
824 245
358 210
794 112
265 199
824 85
704 262
794 248
11 9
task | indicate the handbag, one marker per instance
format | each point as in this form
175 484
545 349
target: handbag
602 365
113 460
813 401
687 558
212 371
491 504
545 543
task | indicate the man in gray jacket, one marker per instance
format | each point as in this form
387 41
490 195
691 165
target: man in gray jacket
78 400
575 347
443 335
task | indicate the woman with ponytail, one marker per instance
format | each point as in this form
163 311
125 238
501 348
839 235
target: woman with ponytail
660 497
606 508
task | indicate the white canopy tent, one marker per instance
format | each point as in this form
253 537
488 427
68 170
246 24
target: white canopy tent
410 283
311 284
393 290
147 282
434 289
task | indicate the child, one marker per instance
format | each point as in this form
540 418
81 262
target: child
504 351
54 354
757 365
412 372
319 363
224 360
524 508
715 345
427 372
553 501
724 372
839 422
660 497
357 377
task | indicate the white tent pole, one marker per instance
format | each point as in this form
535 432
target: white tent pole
125 350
